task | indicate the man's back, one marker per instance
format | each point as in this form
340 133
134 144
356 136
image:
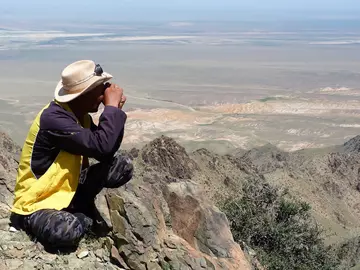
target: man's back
44 163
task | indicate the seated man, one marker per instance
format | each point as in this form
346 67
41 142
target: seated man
55 186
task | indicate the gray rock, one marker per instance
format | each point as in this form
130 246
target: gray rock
12 264
82 254
112 267
98 265
119 222
49 258
164 154
135 263
103 210
9 153
47 267
115 202
185 267
12 252
75 263
100 253
170 244
203 263
117 259
13 230
108 242
141 219
28 264
120 240
4 224
176 265
153 266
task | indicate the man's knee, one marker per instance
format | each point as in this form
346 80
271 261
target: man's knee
55 228
120 173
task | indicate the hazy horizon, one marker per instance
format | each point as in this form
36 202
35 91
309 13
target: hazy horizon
161 10
226 81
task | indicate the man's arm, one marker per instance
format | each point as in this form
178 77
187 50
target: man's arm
93 127
68 135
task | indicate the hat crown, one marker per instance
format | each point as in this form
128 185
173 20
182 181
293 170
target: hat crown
77 72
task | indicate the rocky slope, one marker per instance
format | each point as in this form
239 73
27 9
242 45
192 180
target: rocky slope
160 220
166 218
328 179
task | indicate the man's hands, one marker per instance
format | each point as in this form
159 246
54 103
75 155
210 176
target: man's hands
122 102
113 96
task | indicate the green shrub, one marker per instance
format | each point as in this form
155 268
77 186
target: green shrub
279 228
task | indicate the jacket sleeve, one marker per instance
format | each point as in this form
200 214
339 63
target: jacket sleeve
99 142
93 127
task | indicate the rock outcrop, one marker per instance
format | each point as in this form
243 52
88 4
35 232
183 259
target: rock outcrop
328 179
172 227
160 220
9 157
166 217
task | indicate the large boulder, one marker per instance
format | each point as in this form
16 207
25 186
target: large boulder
175 227
163 220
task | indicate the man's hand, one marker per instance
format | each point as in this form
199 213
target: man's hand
113 95
122 102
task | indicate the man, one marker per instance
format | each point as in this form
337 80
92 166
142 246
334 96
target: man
55 186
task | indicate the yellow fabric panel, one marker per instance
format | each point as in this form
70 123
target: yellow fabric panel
53 190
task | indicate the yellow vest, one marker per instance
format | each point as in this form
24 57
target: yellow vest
54 189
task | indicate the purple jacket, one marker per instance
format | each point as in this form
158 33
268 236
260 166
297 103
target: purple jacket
60 130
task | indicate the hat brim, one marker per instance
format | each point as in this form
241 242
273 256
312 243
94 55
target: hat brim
61 95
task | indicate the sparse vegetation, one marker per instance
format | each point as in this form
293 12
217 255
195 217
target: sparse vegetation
268 99
279 228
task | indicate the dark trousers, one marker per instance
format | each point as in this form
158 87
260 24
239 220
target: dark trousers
65 228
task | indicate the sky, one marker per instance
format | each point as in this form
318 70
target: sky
87 10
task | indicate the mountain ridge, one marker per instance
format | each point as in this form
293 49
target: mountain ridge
167 215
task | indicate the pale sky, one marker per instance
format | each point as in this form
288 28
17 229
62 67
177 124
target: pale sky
172 9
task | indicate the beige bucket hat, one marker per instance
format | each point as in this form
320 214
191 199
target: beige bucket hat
78 78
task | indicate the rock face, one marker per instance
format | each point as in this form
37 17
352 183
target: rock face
155 229
160 220
165 218
164 154
9 154
328 179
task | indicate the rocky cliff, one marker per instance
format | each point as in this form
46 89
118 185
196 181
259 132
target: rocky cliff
166 217
160 220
